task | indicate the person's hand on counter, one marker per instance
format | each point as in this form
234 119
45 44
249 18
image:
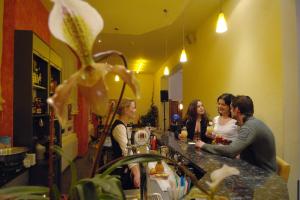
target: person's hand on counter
136 176
199 144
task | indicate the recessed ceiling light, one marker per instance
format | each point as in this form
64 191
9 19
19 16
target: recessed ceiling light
99 41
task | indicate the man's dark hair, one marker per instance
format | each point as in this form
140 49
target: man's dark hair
244 104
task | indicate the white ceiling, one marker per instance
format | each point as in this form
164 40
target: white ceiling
144 29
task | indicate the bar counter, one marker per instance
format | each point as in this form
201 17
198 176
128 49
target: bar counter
252 183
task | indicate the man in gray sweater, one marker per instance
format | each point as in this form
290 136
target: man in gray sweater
255 142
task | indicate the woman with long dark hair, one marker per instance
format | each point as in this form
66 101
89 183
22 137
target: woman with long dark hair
224 125
196 121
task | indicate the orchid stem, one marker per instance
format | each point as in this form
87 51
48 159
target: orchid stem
98 57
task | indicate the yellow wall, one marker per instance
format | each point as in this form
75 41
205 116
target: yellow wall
256 57
245 60
291 91
161 83
146 85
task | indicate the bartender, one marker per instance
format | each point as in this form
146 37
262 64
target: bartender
130 175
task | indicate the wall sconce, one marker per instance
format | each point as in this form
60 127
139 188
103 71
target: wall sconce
166 71
117 78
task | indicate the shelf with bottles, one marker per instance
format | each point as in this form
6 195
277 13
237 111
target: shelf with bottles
39 72
38 87
55 78
39 106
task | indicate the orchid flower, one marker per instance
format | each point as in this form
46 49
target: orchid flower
77 24
219 175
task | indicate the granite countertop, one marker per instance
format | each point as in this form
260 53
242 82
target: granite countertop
252 183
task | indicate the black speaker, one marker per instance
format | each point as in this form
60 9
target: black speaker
164 96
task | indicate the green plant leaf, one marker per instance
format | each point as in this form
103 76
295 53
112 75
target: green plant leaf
87 190
106 186
60 152
55 194
23 190
30 197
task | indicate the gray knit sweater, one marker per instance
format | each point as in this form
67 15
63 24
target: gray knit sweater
255 144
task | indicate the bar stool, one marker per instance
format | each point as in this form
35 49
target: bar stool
283 168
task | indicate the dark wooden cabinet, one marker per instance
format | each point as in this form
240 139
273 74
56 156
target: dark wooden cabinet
35 79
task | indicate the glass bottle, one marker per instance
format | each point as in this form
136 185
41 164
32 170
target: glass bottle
183 134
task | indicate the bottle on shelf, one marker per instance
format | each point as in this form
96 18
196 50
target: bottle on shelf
38 105
33 108
153 143
53 85
40 151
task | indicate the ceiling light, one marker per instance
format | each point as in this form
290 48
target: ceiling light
180 106
221 23
139 68
221 26
183 57
166 71
117 78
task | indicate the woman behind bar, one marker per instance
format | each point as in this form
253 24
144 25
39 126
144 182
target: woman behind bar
130 176
224 125
197 121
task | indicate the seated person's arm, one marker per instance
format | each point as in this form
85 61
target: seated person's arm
119 133
135 171
245 138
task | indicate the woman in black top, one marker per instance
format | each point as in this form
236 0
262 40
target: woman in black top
196 121
119 138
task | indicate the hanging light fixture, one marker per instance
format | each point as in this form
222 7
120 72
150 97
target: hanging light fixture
183 57
180 106
117 78
166 71
221 22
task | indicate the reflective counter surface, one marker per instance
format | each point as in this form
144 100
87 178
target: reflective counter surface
252 183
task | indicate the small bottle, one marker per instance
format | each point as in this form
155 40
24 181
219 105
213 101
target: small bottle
38 106
33 108
40 151
183 134
153 143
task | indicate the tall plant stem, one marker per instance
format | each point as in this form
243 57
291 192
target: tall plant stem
51 144
98 57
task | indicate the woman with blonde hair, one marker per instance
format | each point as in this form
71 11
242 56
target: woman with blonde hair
130 175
